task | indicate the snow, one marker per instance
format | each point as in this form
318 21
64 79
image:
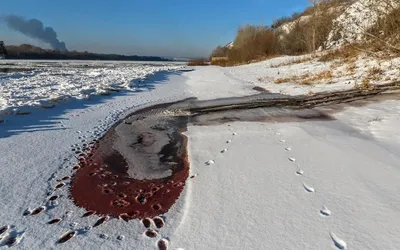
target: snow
352 24
265 73
331 184
50 80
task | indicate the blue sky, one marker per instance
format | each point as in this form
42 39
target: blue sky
179 28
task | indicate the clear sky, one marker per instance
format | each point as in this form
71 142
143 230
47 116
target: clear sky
178 28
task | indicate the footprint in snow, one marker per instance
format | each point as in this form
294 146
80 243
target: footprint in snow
3 231
38 210
210 162
288 149
66 237
159 222
292 159
282 141
101 221
14 239
151 233
325 211
147 222
27 212
162 244
54 221
300 172
308 188
104 236
339 243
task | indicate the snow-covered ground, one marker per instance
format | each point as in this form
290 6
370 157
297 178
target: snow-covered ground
343 75
272 185
45 82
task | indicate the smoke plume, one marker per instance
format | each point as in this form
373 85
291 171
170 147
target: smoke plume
35 29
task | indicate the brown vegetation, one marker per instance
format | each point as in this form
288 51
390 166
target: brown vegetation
256 43
198 62
308 32
345 53
307 79
294 61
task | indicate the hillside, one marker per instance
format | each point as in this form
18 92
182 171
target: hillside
370 25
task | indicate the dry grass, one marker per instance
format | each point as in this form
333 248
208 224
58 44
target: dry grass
374 74
292 62
319 77
307 79
198 62
345 54
351 68
366 85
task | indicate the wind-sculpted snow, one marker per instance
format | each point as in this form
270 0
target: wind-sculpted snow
36 83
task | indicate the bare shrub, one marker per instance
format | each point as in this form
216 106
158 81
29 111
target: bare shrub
253 43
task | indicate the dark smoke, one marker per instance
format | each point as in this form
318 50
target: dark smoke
35 29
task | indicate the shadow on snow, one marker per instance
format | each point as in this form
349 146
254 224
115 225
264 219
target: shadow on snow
41 119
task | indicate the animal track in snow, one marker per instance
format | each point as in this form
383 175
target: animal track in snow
88 213
38 210
27 212
15 239
224 150
151 233
292 159
101 221
120 237
147 222
228 141
4 231
54 221
60 185
235 134
162 244
73 225
300 172
210 162
104 236
325 211
66 237
288 149
54 197
282 141
339 243
308 188
159 222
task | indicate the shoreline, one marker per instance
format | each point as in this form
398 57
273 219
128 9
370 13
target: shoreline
250 186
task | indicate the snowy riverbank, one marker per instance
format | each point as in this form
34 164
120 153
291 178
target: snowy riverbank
281 185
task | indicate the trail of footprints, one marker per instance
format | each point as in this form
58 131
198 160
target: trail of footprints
339 243
324 211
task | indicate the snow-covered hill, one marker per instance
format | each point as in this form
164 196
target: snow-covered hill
352 24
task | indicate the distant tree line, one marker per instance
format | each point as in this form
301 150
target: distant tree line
27 51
